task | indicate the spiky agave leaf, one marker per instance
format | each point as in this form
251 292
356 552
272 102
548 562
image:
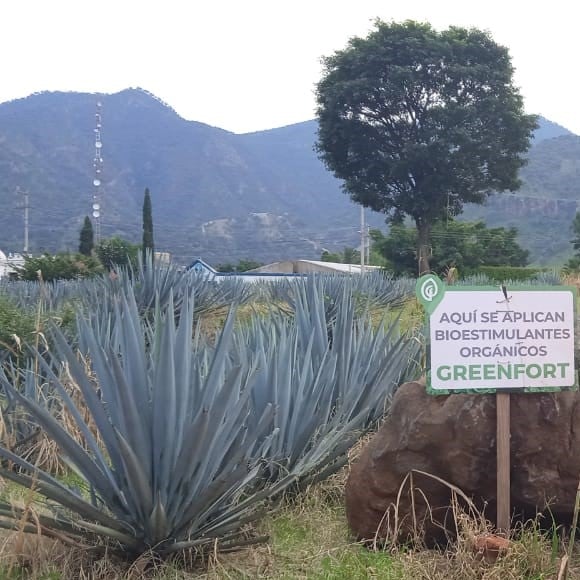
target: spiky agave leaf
155 284
54 295
177 441
330 379
376 289
19 430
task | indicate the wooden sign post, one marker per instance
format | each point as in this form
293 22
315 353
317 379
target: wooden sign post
503 462
502 442
480 343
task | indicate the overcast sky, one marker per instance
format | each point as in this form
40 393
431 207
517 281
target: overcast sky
248 65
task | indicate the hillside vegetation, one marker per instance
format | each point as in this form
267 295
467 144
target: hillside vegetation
219 195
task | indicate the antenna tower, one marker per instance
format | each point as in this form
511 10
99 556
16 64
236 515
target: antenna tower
97 178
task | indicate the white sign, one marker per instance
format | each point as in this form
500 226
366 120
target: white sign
485 339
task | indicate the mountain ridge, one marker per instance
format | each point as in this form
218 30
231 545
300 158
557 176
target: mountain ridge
216 194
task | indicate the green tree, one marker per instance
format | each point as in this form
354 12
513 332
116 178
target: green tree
241 266
574 262
463 245
399 248
347 256
61 266
327 256
418 122
147 245
116 252
87 238
500 247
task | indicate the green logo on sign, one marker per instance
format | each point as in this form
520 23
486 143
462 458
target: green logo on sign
430 292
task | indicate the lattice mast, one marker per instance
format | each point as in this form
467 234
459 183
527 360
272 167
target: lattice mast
97 178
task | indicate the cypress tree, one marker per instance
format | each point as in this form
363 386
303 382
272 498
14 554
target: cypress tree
87 239
148 245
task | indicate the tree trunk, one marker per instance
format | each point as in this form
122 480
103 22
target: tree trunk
424 247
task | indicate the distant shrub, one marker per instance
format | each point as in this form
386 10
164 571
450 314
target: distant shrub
502 273
63 266
241 266
116 252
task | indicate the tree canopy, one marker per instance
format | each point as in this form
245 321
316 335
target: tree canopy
418 122
62 266
347 256
241 266
574 262
148 244
463 245
86 238
116 252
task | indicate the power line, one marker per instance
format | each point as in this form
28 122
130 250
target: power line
195 244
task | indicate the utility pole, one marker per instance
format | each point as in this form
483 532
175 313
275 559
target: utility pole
368 244
363 232
25 206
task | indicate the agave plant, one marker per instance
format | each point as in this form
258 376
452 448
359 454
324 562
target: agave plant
21 433
330 380
53 295
18 428
153 284
174 469
375 289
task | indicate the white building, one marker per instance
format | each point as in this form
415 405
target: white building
280 270
310 267
9 262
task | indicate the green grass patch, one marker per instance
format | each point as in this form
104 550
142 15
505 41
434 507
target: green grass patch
16 573
309 538
357 563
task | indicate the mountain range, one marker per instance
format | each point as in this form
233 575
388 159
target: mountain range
219 195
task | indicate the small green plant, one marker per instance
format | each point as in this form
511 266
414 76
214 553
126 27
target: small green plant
16 326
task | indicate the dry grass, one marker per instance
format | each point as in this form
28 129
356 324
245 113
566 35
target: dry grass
530 555
572 279
309 539
38 448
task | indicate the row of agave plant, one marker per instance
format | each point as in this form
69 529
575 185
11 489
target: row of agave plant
153 282
149 282
175 440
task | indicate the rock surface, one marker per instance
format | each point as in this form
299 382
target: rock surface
453 438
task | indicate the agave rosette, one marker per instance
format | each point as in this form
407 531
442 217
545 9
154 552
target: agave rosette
177 437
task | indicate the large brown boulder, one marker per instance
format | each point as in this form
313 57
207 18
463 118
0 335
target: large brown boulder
453 438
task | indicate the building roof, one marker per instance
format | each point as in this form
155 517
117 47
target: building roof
284 268
312 266
339 267
198 265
